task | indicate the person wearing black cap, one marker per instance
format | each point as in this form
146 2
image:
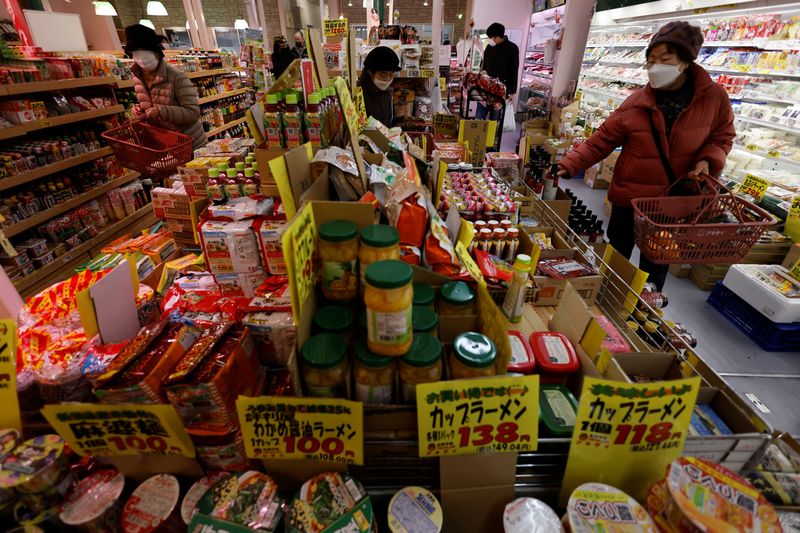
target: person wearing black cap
166 96
501 58
380 67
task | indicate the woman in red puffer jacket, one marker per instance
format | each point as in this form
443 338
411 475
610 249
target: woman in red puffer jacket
683 110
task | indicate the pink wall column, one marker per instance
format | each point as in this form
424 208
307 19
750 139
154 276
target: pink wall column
99 31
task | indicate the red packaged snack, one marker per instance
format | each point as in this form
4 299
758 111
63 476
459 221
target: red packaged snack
439 254
554 355
614 341
412 221
523 359
563 268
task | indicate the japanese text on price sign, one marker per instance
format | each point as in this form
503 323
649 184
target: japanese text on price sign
9 416
125 429
794 210
474 416
299 239
323 429
627 433
334 27
754 186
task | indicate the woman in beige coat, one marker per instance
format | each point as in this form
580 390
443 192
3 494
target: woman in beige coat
166 96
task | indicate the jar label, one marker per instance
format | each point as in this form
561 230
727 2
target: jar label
519 356
339 276
560 406
556 351
325 392
373 393
389 328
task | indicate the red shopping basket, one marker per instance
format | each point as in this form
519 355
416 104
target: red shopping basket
702 229
153 151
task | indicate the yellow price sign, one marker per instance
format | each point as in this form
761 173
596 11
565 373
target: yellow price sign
773 153
467 417
427 73
324 429
124 429
795 270
471 266
299 244
334 27
752 147
754 186
9 415
627 433
794 210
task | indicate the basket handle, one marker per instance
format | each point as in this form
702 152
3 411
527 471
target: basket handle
716 185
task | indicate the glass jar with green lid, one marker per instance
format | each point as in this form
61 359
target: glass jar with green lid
473 356
457 298
338 254
335 319
424 320
378 243
424 295
422 364
374 375
325 366
388 296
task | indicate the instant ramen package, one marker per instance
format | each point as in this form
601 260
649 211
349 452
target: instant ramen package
330 502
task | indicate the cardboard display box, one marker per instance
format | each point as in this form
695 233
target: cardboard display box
549 291
263 157
680 271
792 256
592 178
607 167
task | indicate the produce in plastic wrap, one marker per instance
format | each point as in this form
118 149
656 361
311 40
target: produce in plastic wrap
330 500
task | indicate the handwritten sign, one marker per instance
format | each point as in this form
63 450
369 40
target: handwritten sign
9 415
445 125
467 417
124 429
323 429
299 243
754 186
334 27
627 433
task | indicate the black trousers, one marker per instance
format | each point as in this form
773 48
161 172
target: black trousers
620 235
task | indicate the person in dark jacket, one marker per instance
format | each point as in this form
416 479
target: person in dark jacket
501 58
380 67
683 111
282 56
299 51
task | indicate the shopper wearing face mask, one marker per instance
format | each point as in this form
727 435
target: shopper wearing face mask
380 67
680 125
299 51
166 96
501 58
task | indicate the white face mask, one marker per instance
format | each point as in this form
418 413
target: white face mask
662 75
147 60
381 84
491 42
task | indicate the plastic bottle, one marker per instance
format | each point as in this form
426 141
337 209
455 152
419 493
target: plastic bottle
515 297
250 183
273 122
257 175
240 171
313 121
214 189
292 122
233 189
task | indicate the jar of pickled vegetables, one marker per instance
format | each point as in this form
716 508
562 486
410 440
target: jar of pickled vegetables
338 253
422 364
374 375
335 319
424 320
457 298
325 366
378 243
424 295
473 356
388 297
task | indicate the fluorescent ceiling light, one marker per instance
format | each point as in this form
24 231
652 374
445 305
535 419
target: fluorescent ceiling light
240 24
156 9
104 9
148 23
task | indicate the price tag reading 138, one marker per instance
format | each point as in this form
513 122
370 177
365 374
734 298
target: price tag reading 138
475 416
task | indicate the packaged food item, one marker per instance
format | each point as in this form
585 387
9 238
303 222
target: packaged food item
38 467
374 376
275 335
422 364
614 341
415 510
555 356
424 320
558 409
338 254
378 243
523 360
424 295
230 247
331 501
529 515
336 319
93 505
473 356
388 298
563 268
270 236
153 506
250 499
220 449
457 298
325 366
196 492
596 507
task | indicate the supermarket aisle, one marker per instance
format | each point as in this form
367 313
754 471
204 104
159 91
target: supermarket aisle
772 377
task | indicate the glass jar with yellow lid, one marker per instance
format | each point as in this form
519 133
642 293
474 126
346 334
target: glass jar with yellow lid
338 254
336 319
325 366
422 364
374 375
473 356
388 297
424 320
424 295
457 298
378 243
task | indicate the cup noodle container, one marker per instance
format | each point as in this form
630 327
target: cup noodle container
193 495
529 515
415 510
94 503
596 507
153 507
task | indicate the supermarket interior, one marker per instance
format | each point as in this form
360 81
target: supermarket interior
408 266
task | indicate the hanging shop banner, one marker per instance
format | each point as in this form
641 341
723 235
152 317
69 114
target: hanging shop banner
334 27
754 186
627 433
9 415
300 237
124 429
466 417
323 429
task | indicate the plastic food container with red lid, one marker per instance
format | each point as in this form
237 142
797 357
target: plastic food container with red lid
554 355
523 360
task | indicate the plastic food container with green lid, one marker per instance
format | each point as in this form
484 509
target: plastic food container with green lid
388 296
379 242
424 295
456 298
325 366
473 356
335 319
424 320
338 255
422 364
374 375
557 410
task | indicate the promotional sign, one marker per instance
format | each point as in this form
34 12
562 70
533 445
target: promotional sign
351 120
323 429
754 186
794 210
300 237
445 124
468 416
334 27
627 433
9 415
124 429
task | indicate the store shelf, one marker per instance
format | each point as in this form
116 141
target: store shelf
631 44
767 124
215 97
756 97
206 73
616 79
766 73
56 85
125 84
63 207
229 125
13 131
61 120
763 153
605 94
74 254
25 177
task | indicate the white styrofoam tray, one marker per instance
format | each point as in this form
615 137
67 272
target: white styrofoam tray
741 280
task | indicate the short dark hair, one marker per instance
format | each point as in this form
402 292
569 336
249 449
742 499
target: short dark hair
682 53
495 30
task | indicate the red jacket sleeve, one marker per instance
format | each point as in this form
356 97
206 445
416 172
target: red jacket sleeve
719 144
598 146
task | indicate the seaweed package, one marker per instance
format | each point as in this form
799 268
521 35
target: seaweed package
331 501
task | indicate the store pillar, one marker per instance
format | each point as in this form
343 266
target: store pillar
577 19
